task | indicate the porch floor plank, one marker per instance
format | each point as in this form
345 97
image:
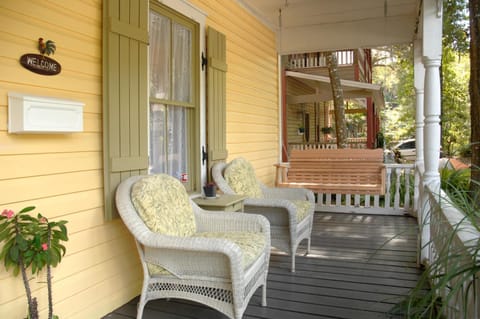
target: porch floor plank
359 267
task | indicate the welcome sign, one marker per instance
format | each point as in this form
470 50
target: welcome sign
40 64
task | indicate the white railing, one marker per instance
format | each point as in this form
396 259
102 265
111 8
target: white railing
359 142
319 59
399 190
452 242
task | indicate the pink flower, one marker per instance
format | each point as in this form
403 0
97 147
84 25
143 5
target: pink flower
8 213
44 246
43 220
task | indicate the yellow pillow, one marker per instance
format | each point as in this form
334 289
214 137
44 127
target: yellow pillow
163 204
240 176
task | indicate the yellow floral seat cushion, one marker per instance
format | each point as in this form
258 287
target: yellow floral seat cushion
163 204
240 176
303 209
251 244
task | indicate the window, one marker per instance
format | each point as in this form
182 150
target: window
165 93
173 100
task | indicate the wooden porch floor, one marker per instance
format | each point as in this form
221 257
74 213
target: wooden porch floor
350 273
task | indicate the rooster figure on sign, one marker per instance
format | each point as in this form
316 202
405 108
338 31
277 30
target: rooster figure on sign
47 47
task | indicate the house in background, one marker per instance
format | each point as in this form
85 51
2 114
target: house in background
309 103
151 105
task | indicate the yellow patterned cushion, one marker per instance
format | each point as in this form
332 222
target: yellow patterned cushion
163 204
251 244
240 176
303 209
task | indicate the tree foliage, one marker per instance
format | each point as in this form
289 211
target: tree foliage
455 116
455 26
394 70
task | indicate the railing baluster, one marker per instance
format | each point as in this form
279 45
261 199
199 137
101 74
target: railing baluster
398 176
348 200
387 187
376 201
406 204
356 201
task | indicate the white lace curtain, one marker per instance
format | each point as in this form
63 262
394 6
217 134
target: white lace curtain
170 80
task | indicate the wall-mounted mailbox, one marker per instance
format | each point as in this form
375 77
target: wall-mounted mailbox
40 114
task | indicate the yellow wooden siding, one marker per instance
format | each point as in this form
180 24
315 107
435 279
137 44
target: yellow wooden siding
61 174
295 112
252 85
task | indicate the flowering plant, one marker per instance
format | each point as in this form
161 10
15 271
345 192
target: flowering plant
31 242
210 189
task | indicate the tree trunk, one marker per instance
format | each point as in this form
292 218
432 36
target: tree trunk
475 92
49 275
339 106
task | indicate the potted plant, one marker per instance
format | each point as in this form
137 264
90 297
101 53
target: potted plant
301 129
327 130
210 190
32 243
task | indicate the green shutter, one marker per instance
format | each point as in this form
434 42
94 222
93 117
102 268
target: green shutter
216 97
125 94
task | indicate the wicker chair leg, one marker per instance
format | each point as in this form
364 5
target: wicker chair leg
308 246
264 294
293 261
140 306
143 297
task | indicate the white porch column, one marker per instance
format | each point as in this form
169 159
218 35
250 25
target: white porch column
432 57
419 80
432 120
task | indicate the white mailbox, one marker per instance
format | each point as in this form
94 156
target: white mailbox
40 114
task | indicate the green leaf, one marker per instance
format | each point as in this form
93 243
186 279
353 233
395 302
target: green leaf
26 209
64 250
54 258
62 235
6 233
14 253
3 226
16 271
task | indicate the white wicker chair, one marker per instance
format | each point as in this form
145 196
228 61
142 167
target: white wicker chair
290 220
210 270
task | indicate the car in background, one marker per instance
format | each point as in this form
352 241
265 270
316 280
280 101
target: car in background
405 150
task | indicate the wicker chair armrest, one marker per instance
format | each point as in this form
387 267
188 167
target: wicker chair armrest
261 205
288 193
217 174
272 202
218 221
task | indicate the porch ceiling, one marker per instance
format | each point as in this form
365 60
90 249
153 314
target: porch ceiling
323 25
351 89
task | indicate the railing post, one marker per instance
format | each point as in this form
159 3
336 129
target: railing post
419 81
424 223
